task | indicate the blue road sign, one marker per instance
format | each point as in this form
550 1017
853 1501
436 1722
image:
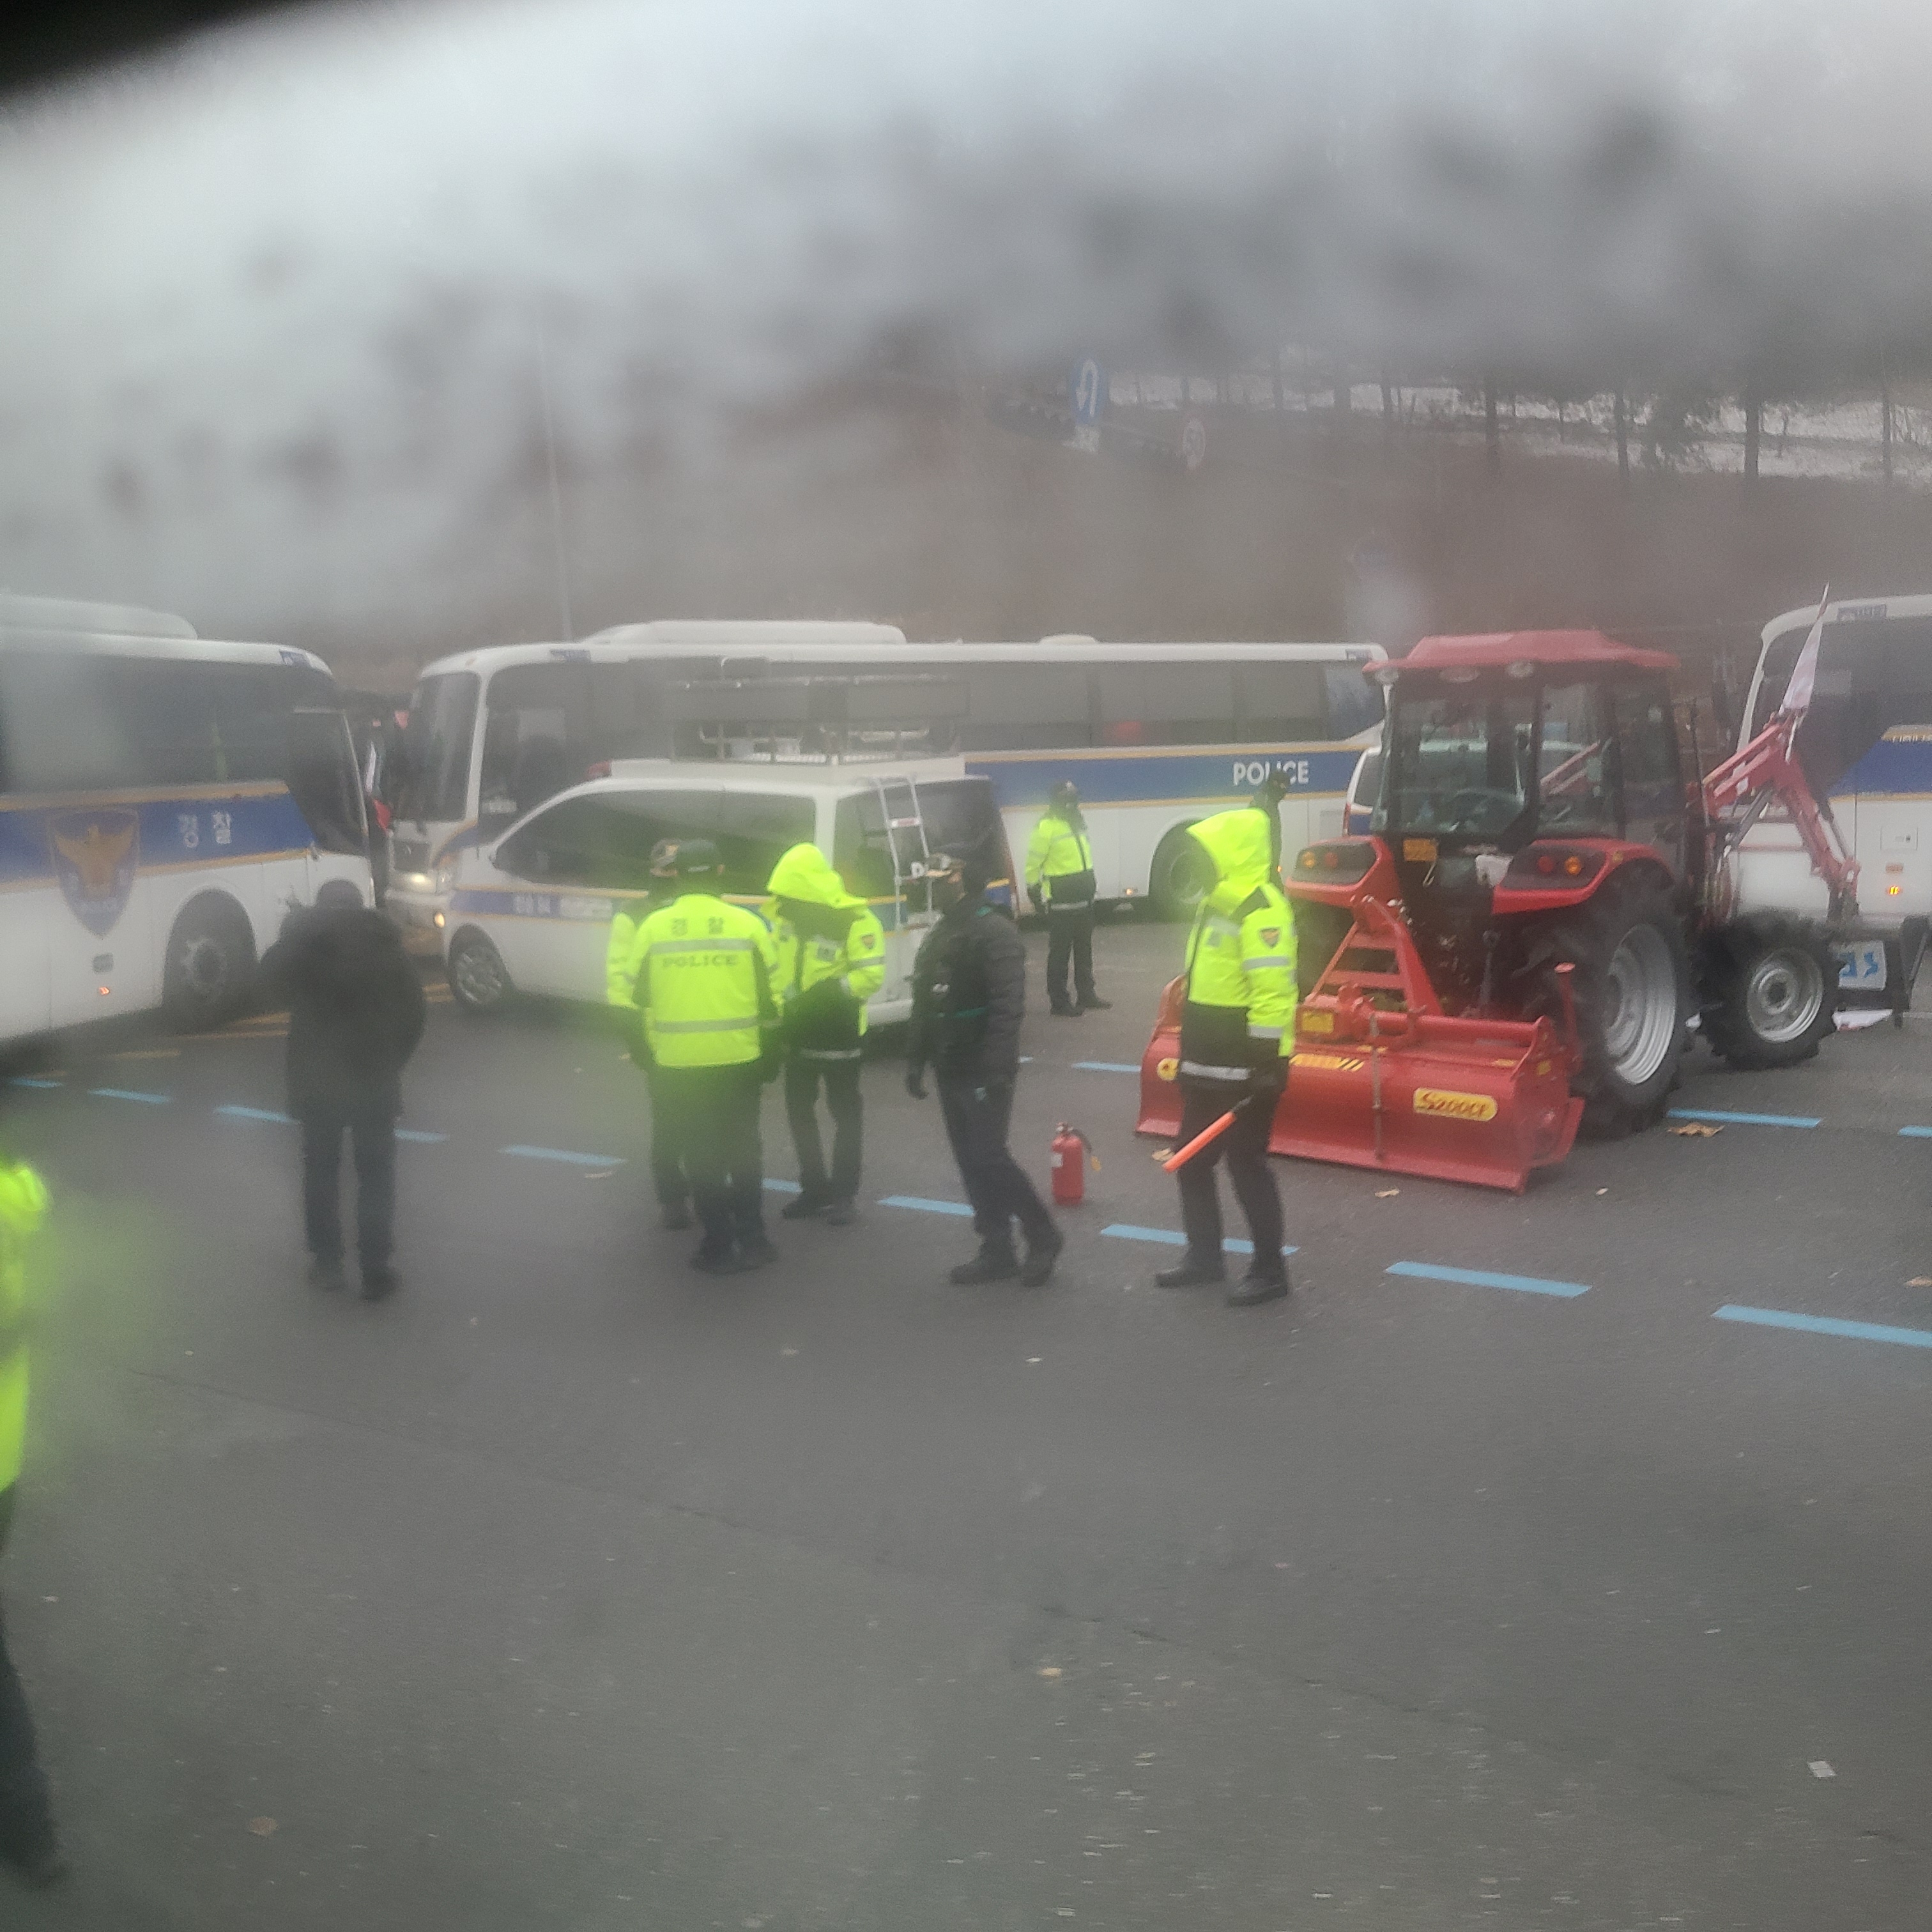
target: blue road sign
1088 389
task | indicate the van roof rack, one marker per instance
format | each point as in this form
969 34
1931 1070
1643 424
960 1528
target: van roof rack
816 720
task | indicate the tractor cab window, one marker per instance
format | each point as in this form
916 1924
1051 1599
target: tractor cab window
1577 780
1459 760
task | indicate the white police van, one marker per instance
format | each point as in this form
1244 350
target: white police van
530 912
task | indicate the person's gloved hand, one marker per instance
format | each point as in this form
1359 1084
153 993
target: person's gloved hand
915 1082
1268 1080
1037 900
640 1047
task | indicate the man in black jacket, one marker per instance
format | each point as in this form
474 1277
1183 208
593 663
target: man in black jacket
355 1013
968 996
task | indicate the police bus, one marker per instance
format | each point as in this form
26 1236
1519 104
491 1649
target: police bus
1155 736
164 799
1866 745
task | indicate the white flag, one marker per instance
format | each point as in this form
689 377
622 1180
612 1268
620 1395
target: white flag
1804 672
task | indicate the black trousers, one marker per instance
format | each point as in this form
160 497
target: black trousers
26 1823
977 1117
802 1076
716 1109
668 1177
1245 1143
1070 936
370 1126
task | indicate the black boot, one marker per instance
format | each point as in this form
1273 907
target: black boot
1041 1255
1192 1272
1259 1285
992 1263
1064 1012
803 1208
1092 1003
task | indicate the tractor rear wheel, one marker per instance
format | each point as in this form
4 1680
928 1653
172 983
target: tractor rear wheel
1770 992
1631 989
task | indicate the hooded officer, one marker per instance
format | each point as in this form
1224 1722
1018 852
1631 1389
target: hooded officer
1060 883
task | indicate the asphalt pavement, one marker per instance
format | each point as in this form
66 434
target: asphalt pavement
1527 1568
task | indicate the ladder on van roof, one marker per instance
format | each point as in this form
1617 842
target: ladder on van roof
901 811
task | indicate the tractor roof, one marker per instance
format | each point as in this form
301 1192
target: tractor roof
1498 648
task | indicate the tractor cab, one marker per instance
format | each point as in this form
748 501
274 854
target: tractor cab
1497 745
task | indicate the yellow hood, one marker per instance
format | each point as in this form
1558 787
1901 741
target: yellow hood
806 873
1237 844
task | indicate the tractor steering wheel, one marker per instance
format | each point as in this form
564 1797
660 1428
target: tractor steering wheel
1467 810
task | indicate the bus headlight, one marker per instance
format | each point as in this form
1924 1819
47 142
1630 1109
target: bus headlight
442 878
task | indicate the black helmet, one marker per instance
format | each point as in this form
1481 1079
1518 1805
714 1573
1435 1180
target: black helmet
1066 792
694 858
664 859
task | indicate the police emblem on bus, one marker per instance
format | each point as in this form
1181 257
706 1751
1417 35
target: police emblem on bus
96 855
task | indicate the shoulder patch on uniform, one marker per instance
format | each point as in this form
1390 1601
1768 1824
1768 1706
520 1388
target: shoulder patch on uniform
1270 935
868 940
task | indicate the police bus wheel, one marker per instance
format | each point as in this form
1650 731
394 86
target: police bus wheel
210 964
479 979
1182 875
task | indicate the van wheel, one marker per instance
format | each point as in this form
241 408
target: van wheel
1182 875
1772 986
210 965
478 980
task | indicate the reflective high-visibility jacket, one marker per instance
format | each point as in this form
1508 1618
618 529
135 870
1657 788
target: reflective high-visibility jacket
1241 986
23 1206
831 953
619 967
1060 857
702 970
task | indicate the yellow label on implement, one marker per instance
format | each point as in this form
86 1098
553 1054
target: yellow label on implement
1330 1063
1166 1069
1419 851
1316 1022
1542 1069
1454 1106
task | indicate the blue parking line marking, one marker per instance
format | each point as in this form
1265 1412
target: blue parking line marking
1907 1133
256 1114
21 1080
1127 1231
128 1093
1745 1119
1525 1284
930 1207
1104 1066
418 1134
783 1187
565 1154
1826 1325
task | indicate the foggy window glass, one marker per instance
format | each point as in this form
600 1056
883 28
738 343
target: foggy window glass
1167 704
754 831
64 728
1578 783
536 734
1277 701
1016 707
433 781
1646 732
962 819
1355 704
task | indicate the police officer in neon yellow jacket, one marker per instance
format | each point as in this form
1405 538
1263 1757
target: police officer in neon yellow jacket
668 1176
701 971
1060 882
1236 1033
27 1841
831 960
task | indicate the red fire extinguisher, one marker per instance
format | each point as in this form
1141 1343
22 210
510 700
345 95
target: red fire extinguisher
1072 1150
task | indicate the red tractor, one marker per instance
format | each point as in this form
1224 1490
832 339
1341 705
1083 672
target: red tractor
1547 899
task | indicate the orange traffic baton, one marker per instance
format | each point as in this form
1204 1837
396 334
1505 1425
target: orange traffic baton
1212 1131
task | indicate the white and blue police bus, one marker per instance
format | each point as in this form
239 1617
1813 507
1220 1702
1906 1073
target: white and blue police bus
1866 745
164 800
1155 736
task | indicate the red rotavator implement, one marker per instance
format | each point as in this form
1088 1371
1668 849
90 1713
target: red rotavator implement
1517 952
